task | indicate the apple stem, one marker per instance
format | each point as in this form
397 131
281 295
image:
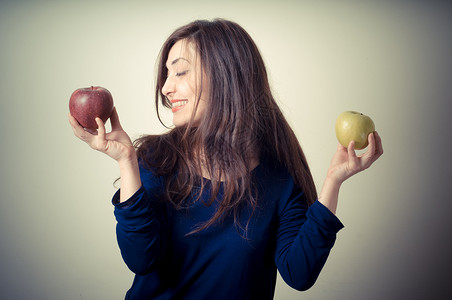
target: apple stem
92 87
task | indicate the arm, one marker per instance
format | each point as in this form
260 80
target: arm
118 146
305 237
345 164
140 219
141 228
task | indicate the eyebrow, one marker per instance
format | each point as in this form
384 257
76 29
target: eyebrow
179 58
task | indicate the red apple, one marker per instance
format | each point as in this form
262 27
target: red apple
88 103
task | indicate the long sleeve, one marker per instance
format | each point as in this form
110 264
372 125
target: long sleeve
141 228
304 239
283 233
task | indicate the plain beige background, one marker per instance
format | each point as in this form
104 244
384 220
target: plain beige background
388 59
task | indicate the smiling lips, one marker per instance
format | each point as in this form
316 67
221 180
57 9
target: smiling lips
178 104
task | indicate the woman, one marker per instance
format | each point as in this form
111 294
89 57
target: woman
215 206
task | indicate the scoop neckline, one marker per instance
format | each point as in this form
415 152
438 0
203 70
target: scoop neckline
251 172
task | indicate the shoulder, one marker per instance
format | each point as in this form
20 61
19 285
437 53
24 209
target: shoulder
276 184
270 172
153 151
149 144
150 153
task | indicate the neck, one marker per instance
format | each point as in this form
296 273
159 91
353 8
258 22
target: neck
253 162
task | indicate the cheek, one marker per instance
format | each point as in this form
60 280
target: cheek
202 107
195 86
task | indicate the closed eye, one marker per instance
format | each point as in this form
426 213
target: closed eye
181 73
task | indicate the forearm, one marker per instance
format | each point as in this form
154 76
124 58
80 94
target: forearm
140 230
330 193
302 249
130 177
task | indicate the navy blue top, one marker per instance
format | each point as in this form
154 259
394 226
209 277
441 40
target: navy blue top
222 262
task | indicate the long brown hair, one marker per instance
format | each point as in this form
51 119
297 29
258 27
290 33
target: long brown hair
243 122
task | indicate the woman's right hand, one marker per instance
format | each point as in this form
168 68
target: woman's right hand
116 144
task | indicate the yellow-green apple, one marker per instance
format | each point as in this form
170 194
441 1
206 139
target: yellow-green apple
86 104
354 126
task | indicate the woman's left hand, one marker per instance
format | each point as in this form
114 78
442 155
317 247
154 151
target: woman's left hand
346 163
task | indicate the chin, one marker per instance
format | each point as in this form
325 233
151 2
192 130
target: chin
179 122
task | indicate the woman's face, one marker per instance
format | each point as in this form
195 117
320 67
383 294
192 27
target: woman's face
183 84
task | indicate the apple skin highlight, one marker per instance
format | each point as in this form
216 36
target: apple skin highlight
86 104
354 126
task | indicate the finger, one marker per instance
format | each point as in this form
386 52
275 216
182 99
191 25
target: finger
80 132
100 129
72 121
114 119
370 155
91 131
379 144
371 149
76 127
340 147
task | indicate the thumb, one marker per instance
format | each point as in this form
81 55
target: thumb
351 151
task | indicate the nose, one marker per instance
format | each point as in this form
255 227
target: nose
169 87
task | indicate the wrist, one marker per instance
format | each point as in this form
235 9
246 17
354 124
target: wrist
333 179
330 193
332 184
129 157
130 176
